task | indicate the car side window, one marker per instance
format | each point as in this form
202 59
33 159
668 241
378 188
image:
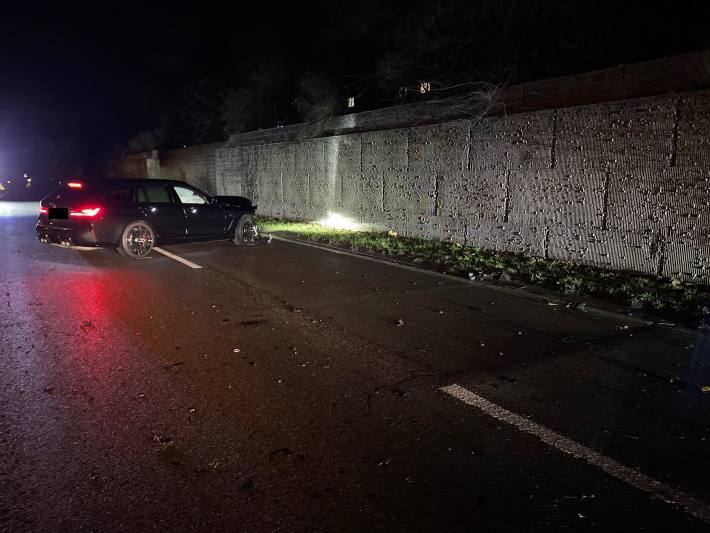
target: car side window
123 195
189 196
153 194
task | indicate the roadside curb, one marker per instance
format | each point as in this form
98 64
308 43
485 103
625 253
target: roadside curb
540 295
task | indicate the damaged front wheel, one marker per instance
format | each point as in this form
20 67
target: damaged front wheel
245 231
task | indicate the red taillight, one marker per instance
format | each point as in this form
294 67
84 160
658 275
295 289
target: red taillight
89 212
75 185
43 210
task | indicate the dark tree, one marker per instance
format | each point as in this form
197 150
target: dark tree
199 118
260 98
386 52
317 97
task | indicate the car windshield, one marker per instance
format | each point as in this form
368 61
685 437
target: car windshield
189 196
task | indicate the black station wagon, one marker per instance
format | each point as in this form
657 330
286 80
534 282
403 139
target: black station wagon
133 215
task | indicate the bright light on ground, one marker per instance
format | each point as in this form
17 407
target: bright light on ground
18 209
337 221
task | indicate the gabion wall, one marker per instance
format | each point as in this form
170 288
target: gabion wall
622 185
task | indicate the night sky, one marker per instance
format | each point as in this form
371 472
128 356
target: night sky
76 83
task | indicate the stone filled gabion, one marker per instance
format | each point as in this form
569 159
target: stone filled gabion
622 185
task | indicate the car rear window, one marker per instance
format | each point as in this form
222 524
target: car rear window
64 196
153 194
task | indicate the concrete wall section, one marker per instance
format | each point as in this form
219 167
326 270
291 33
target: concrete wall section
269 192
139 165
343 167
195 165
693 131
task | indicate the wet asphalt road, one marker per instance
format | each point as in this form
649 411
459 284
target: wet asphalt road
285 388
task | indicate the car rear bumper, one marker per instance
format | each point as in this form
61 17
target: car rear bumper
84 237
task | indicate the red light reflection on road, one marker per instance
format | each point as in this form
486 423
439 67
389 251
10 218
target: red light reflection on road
87 315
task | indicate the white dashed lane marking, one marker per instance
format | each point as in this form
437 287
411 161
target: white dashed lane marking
176 258
630 476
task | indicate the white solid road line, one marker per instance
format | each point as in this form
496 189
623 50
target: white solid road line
690 505
176 257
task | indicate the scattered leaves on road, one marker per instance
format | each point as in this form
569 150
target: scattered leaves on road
280 452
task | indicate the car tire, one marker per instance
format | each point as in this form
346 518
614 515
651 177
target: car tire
137 240
245 232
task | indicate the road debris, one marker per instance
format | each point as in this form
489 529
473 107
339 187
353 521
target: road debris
399 322
247 485
623 435
280 452
236 350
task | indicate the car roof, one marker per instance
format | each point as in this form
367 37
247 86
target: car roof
141 181
126 182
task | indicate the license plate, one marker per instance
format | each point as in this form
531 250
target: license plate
58 212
